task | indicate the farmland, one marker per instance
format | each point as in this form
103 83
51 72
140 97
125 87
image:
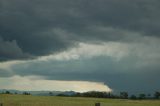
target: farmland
28 100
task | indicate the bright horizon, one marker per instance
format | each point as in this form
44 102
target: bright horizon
36 84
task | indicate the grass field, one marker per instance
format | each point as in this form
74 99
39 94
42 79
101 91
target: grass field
28 100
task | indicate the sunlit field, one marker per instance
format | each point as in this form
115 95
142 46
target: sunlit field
28 100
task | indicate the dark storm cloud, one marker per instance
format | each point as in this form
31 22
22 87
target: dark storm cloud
43 27
10 50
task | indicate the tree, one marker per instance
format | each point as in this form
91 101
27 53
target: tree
26 93
156 95
50 93
123 95
62 95
77 94
7 92
142 96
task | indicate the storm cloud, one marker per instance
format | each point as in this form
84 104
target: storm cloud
41 28
111 41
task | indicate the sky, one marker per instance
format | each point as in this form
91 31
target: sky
80 45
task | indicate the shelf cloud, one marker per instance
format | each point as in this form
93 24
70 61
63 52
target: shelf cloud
115 42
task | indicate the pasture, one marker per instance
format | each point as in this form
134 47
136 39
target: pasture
28 100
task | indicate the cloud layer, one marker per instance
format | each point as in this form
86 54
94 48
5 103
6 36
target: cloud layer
111 41
35 84
40 28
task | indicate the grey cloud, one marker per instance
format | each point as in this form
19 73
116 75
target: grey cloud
9 50
31 23
33 28
5 73
119 75
136 72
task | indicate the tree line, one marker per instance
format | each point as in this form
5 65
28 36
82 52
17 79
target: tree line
23 93
122 95
96 94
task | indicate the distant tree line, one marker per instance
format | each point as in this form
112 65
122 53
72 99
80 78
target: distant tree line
8 92
96 94
122 95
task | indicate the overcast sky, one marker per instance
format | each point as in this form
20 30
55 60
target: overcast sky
108 45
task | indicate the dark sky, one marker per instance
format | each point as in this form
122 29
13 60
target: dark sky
111 41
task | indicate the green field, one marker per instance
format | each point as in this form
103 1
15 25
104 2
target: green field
25 100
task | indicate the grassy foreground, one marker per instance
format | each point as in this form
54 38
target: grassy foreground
28 100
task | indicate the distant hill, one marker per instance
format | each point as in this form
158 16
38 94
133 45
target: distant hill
39 93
